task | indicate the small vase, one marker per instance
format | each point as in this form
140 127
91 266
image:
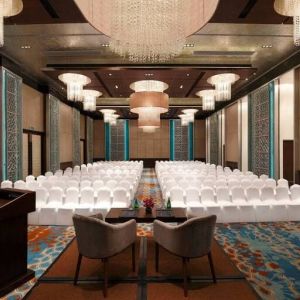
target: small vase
148 210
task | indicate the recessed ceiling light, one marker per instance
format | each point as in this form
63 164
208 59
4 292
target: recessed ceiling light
149 74
25 47
246 79
104 45
187 74
189 45
266 46
109 74
116 86
181 87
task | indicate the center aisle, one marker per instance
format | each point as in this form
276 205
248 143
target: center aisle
148 188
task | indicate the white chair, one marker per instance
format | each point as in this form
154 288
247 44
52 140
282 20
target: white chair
111 184
270 182
295 192
20 184
6 184
40 179
283 182
246 183
121 198
66 211
267 194
48 174
207 196
48 213
258 183
233 183
177 197
47 184
41 195
264 177
32 185
73 183
85 183
282 194
294 205
29 178
192 197
103 201
238 195
253 195
208 183
210 206
87 197
97 185
222 194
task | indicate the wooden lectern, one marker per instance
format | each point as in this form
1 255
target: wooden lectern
14 207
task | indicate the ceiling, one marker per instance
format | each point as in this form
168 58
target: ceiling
60 40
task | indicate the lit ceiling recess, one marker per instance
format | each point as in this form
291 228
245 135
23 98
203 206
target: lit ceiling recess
89 99
109 116
8 8
148 30
75 84
208 99
290 8
222 83
149 101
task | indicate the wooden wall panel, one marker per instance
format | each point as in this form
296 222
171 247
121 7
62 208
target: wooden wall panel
65 133
99 140
149 145
200 140
33 109
231 135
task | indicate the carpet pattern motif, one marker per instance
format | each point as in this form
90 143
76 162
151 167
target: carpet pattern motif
45 244
267 253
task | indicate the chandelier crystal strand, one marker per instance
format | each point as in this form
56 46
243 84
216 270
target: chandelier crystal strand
148 30
184 119
190 113
222 83
75 84
290 8
208 99
107 113
89 99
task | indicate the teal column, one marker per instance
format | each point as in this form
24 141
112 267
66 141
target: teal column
172 137
107 132
271 129
126 140
191 141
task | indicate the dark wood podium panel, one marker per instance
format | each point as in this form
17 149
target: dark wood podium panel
14 207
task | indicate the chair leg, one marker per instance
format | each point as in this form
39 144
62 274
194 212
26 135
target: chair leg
77 269
156 257
212 267
133 256
185 280
105 261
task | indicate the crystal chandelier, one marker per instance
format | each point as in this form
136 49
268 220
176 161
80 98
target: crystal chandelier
208 99
149 101
8 8
184 119
190 113
148 30
89 99
290 8
75 84
109 116
222 83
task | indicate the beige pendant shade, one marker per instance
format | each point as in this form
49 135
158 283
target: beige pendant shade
156 100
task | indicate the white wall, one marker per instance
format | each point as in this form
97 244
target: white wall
286 112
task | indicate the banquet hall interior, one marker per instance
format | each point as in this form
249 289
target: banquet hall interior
150 149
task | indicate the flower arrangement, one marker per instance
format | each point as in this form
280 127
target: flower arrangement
148 204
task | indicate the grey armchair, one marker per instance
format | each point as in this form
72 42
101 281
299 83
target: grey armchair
192 239
97 239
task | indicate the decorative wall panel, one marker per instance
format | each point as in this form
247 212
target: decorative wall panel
261 130
11 142
117 141
214 139
76 137
52 133
181 141
89 139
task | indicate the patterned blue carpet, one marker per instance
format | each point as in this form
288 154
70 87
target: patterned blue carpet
268 254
